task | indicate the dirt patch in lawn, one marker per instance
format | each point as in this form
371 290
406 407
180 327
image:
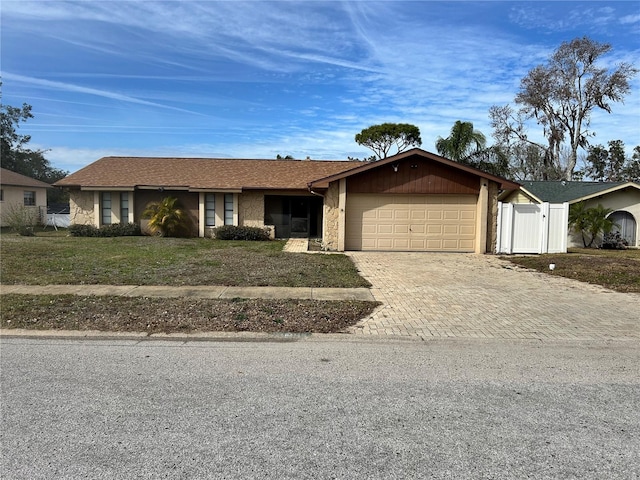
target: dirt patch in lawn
158 315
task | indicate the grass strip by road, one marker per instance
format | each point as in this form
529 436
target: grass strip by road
47 260
178 315
617 270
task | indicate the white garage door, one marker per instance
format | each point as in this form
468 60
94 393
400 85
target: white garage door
411 222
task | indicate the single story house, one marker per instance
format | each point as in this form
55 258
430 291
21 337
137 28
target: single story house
415 200
621 197
20 190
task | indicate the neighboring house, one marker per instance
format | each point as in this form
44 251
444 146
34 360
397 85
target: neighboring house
20 190
415 200
621 197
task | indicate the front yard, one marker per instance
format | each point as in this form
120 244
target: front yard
44 260
51 258
615 269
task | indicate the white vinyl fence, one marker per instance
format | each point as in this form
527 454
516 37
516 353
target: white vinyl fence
532 228
55 220
56 216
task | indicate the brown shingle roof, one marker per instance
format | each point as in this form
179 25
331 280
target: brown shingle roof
7 177
202 173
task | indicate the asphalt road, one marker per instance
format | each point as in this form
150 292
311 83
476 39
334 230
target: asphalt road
319 408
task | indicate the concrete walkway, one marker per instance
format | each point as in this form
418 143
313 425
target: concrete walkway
480 296
211 292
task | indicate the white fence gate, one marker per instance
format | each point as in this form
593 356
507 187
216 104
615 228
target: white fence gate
532 228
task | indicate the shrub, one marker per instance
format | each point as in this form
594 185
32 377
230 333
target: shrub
77 230
21 219
113 230
614 241
231 232
120 230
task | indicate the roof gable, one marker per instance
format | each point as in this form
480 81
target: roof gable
571 192
324 182
201 173
10 178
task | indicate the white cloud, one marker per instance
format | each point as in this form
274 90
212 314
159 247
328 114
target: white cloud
67 87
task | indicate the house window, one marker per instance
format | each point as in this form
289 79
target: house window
210 209
124 207
29 198
1 195
228 208
106 208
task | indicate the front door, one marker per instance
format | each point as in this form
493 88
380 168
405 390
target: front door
294 216
299 217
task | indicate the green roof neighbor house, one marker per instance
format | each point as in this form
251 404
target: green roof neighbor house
621 197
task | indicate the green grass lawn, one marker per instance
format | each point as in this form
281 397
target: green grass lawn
55 258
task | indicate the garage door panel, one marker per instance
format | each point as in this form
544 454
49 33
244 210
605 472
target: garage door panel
411 222
467 245
400 244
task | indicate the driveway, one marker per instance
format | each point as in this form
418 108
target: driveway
481 296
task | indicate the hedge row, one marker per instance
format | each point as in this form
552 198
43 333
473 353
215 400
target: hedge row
113 230
231 232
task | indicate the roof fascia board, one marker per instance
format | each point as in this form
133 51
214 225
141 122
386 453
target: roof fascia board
24 186
215 190
162 187
103 189
606 192
531 195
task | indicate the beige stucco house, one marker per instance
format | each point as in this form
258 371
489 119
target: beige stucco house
415 200
621 197
18 190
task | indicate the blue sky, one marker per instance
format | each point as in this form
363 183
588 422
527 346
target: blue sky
256 79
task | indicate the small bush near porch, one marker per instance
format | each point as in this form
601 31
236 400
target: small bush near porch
168 261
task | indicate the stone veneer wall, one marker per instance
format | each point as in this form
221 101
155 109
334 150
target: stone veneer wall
492 218
331 216
251 209
81 208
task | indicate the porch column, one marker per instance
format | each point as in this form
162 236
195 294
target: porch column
342 205
482 214
201 213
97 212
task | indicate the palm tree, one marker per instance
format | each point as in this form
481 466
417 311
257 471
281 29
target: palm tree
590 222
462 144
167 218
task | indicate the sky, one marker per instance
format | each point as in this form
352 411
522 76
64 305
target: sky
256 79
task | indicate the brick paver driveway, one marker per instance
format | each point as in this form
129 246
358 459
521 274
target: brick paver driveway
466 295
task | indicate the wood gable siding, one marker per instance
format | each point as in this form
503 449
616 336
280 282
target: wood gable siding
414 176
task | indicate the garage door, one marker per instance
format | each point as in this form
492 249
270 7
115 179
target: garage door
411 222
